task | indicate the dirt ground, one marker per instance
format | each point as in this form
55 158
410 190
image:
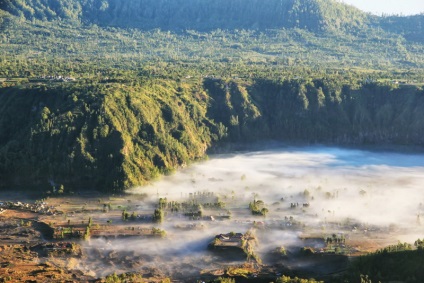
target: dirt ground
19 263
34 249
30 250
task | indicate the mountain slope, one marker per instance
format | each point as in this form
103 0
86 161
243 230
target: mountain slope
411 27
113 136
160 82
206 15
314 15
105 136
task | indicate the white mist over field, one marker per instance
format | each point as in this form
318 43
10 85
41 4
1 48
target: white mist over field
333 190
378 188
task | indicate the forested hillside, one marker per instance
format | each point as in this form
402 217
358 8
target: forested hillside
206 15
107 136
113 136
193 14
319 110
109 94
215 33
412 27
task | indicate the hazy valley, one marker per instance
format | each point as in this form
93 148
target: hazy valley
210 141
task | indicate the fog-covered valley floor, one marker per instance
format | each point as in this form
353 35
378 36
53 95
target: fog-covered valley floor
377 188
367 198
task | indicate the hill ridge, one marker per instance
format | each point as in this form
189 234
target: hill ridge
313 15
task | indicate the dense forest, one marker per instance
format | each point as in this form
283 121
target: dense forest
112 136
314 15
110 94
43 37
193 14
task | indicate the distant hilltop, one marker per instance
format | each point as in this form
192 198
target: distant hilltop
313 15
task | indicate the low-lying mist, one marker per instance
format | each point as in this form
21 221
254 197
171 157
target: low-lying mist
308 191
